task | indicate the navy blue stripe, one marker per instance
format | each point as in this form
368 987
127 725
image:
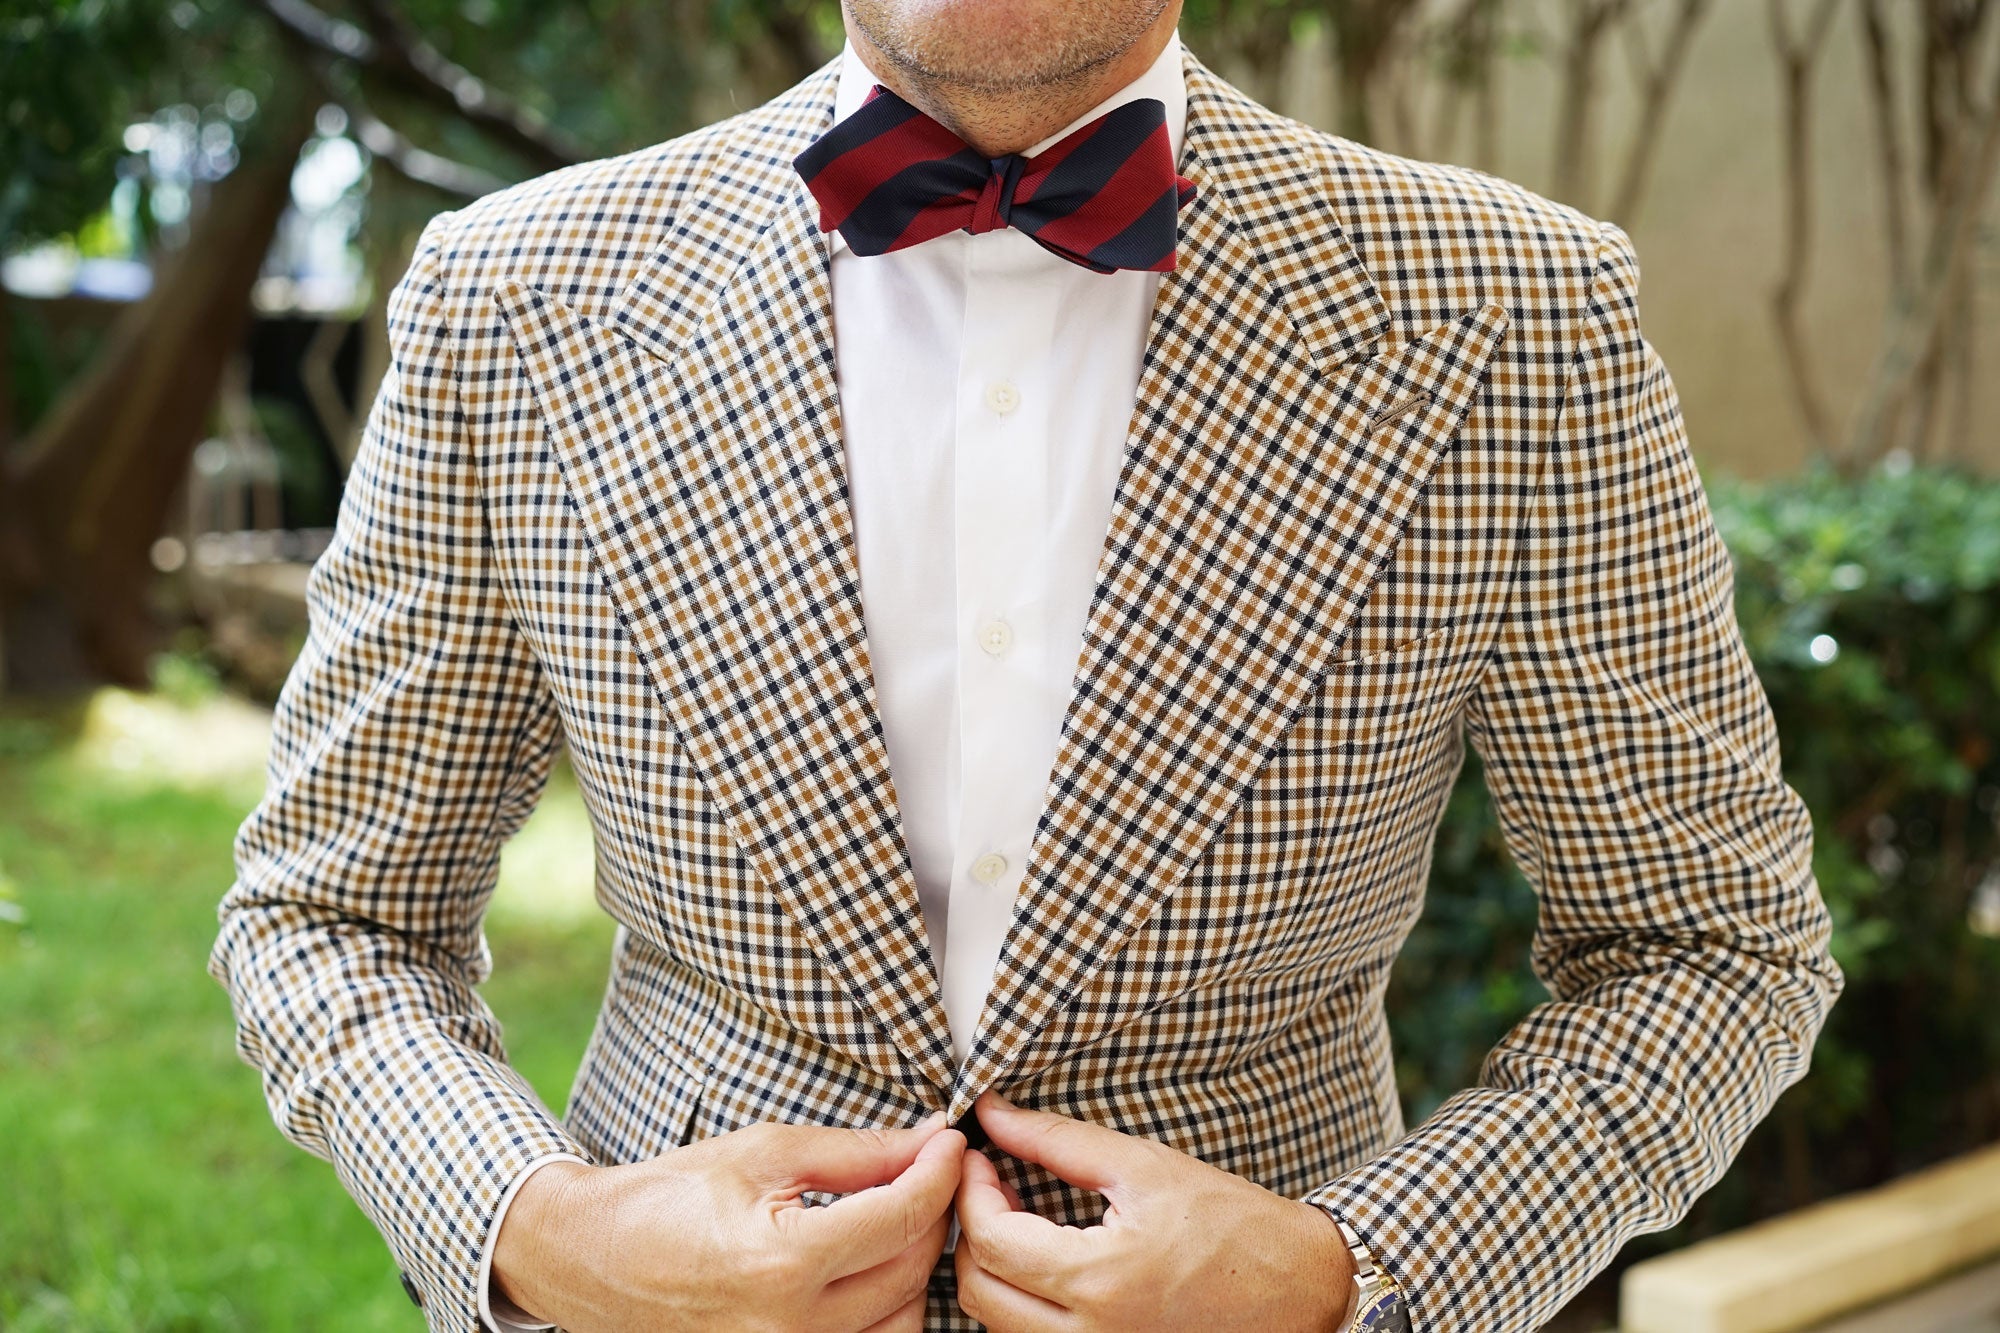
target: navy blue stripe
1146 241
888 209
1072 256
874 117
1084 172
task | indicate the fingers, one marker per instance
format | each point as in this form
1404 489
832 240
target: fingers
864 1299
861 1230
841 1161
982 1195
1079 1152
909 1319
999 1304
1008 1242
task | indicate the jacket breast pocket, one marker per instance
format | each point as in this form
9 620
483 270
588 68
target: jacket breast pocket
1405 688
1381 739
1287 884
1351 773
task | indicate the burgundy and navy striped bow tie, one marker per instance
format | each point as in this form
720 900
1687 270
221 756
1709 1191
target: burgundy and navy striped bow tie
1105 196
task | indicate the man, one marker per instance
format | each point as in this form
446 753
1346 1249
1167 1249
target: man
1014 536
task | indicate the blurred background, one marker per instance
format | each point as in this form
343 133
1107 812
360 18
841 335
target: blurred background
204 203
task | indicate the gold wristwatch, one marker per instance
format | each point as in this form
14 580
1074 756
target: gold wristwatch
1378 1302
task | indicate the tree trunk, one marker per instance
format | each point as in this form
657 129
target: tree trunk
1920 319
1577 109
1798 59
87 493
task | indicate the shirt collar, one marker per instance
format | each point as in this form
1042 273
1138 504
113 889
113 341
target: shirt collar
1163 79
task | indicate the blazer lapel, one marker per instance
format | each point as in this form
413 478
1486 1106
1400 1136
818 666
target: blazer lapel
1275 452
696 426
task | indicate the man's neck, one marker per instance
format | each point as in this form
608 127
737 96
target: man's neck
1001 121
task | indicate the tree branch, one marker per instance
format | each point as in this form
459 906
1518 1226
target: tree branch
1888 141
394 150
1918 319
1576 115
1797 60
394 53
1658 82
1467 39
390 146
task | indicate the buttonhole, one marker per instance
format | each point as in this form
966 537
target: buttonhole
1399 410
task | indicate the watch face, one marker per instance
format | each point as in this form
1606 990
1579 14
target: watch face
1381 1313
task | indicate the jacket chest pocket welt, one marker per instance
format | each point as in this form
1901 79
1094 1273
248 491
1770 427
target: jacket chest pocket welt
1382 741
1333 838
1321 859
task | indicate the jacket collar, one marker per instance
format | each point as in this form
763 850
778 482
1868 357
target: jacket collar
1253 179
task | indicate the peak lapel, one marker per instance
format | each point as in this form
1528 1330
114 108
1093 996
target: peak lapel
1274 454
697 430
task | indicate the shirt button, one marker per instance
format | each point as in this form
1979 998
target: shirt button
995 636
1002 396
989 868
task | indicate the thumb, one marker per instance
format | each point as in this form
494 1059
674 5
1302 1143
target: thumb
1077 1151
842 1161
872 1226
981 1192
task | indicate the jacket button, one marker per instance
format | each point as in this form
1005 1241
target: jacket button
410 1290
975 1134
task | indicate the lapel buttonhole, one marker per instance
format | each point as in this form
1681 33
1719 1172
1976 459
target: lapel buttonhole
1399 410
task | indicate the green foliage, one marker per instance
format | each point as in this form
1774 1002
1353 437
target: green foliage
184 676
78 72
143 1185
307 487
1871 607
607 74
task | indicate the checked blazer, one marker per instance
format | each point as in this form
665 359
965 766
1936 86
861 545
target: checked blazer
1402 474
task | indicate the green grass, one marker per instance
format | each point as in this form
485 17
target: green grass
142 1183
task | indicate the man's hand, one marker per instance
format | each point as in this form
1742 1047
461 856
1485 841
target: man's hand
1182 1245
714 1235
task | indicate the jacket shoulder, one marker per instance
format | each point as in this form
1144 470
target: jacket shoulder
581 232
1439 239
576 231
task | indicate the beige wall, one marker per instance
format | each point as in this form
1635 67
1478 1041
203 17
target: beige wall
1708 232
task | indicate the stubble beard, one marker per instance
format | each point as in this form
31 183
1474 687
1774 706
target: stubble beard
972 61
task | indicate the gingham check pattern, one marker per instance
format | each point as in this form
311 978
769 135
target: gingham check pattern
1401 472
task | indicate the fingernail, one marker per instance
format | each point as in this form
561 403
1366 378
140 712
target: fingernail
936 1120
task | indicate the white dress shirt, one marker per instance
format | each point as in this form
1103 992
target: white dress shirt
985 390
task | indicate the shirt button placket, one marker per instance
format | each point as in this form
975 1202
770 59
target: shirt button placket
1000 526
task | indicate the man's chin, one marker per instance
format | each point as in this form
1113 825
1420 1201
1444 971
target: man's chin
988 45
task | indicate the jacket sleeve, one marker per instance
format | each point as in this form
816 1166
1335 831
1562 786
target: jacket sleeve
1633 760
411 739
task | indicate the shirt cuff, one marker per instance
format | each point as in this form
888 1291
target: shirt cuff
496 1312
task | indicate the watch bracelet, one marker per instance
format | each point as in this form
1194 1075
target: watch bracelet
1370 1281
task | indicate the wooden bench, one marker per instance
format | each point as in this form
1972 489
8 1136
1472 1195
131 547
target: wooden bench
1840 1260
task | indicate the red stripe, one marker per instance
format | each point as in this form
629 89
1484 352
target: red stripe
844 182
934 220
1131 190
